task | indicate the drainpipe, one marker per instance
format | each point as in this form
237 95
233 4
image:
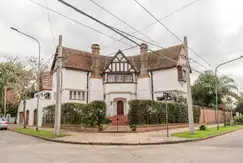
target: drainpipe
152 85
87 88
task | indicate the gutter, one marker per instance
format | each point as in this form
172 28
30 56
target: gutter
87 88
152 85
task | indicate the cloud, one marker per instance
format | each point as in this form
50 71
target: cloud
214 28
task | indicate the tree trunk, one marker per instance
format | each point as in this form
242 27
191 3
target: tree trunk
24 108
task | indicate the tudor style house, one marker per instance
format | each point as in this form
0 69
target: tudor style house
89 76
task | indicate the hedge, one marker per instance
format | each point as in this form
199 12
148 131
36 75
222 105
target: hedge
152 112
76 113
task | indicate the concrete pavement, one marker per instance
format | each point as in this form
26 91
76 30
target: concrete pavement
17 148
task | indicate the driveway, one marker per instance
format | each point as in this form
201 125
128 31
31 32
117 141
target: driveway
16 148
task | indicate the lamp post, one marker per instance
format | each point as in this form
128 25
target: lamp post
216 88
38 74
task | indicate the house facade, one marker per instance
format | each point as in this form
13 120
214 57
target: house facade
89 76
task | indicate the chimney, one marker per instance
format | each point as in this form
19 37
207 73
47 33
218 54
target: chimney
95 61
144 60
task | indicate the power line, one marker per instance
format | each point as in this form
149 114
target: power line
49 19
78 22
122 21
171 31
112 28
170 14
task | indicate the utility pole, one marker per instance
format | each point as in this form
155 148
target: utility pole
5 101
59 92
189 91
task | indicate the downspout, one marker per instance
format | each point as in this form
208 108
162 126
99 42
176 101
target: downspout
87 88
152 85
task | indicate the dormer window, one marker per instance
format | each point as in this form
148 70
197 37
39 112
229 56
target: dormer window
120 78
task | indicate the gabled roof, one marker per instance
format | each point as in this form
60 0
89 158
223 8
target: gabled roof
128 61
82 60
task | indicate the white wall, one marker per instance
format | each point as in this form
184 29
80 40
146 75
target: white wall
115 92
73 80
144 88
31 105
166 80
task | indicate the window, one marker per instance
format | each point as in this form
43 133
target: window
47 95
111 78
120 78
181 74
76 95
128 78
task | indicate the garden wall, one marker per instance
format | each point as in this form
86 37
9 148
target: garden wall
208 116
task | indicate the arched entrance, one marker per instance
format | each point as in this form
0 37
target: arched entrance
27 117
35 111
120 107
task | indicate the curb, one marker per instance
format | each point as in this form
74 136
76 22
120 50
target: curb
123 144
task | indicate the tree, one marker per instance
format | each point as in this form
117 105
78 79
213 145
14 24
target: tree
203 90
239 106
20 77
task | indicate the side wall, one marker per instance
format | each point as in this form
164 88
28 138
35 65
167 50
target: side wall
73 80
208 116
166 80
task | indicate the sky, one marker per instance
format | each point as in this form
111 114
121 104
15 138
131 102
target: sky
214 29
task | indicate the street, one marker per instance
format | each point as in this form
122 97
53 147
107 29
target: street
16 148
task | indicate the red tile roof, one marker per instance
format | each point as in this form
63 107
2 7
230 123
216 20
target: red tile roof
82 60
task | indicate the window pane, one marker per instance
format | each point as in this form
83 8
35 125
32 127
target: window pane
111 78
119 78
70 94
74 94
79 95
128 78
83 96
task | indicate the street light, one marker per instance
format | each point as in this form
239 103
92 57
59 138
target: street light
38 75
216 87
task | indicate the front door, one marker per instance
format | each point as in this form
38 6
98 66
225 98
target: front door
120 108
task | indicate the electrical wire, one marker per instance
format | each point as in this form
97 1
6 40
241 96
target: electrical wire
171 32
170 14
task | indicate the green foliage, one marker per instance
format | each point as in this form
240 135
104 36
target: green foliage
238 120
152 112
203 90
203 127
133 127
209 132
76 113
239 106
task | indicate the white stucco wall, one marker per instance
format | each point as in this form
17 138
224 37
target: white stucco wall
31 105
166 80
144 88
73 80
115 92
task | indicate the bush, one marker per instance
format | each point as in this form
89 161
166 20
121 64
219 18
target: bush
238 120
152 112
133 127
77 113
203 127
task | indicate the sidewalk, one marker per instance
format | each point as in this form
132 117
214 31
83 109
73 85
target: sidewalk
153 137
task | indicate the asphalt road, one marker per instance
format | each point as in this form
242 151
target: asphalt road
16 148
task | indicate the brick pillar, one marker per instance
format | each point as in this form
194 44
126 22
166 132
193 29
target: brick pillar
95 61
144 60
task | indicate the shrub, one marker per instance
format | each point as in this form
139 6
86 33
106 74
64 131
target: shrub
238 120
133 127
152 112
77 113
203 127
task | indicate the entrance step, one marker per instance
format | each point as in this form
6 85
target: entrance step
113 128
121 121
